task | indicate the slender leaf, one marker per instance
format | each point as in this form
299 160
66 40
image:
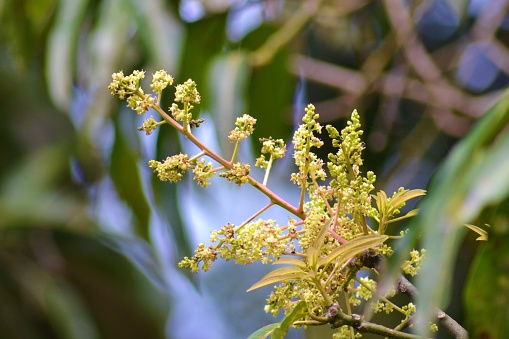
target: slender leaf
410 214
63 39
290 261
352 248
402 197
280 274
456 185
381 201
124 173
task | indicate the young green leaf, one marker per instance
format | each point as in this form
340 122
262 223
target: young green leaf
280 274
410 214
402 197
291 261
352 248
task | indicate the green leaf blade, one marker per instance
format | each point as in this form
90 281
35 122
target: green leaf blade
352 248
280 274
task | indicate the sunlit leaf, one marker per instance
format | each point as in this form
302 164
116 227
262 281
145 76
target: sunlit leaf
402 197
352 248
410 214
290 261
280 274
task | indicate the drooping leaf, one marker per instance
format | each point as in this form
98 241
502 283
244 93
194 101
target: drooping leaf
280 274
487 291
295 314
352 248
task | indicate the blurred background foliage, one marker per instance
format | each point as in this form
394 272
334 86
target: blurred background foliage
90 240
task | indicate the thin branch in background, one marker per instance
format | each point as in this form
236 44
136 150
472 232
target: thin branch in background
406 287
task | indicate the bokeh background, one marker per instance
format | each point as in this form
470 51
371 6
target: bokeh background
90 240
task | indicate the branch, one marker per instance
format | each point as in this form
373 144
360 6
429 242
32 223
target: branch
274 198
285 34
406 287
338 318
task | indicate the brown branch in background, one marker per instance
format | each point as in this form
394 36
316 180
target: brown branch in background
393 83
406 287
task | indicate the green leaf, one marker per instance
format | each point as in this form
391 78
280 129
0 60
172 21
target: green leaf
271 91
352 248
126 177
228 78
87 291
486 297
456 197
280 274
402 197
63 40
410 214
295 314
291 261
381 201
204 40
264 332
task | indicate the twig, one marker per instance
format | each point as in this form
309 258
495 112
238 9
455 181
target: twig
406 287
264 189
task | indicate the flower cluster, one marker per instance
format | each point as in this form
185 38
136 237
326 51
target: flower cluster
187 93
204 255
303 140
161 80
202 172
275 148
149 125
413 266
128 87
260 240
245 127
172 168
125 86
238 174
329 245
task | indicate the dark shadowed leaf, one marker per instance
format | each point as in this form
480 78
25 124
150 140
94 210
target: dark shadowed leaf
487 290
58 284
124 173
455 198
